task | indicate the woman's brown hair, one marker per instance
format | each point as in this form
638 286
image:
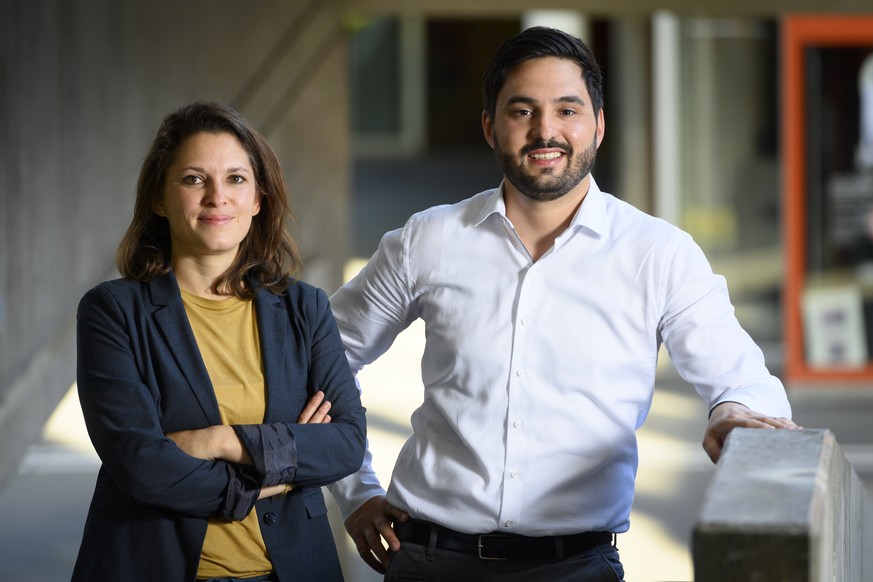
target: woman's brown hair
267 255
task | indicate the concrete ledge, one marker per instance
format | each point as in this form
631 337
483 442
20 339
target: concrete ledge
783 506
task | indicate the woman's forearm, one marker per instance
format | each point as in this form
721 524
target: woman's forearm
218 442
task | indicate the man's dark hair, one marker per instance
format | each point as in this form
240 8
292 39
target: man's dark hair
533 43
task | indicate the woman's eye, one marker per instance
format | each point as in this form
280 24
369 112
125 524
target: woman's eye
235 179
192 179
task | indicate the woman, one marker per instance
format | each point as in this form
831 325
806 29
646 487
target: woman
206 375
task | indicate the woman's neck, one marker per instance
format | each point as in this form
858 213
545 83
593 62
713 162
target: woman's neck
198 275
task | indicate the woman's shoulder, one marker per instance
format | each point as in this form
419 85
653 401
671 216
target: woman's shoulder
118 288
126 291
301 300
304 295
299 288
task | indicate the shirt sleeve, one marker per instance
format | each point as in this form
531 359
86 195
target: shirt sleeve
706 343
371 310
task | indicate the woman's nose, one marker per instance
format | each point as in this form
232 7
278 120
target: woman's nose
215 194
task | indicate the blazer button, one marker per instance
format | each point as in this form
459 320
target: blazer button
270 518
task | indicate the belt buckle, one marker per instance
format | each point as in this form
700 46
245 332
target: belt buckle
482 557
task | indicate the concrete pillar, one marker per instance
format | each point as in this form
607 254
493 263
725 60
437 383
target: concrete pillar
666 117
784 506
629 106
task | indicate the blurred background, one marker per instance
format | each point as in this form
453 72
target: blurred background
374 109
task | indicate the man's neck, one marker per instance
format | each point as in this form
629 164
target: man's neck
538 223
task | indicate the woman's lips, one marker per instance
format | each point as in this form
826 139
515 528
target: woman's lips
216 219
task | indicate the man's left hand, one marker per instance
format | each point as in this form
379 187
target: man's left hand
729 415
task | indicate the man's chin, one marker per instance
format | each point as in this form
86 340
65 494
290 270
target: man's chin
542 195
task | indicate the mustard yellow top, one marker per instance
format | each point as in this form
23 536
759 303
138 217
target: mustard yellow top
227 335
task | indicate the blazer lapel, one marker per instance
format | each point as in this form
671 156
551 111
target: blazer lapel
172 321
273 321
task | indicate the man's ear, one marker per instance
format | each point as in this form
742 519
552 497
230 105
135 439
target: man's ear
488 128
601 126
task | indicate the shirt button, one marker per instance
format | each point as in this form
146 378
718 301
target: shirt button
509 523
513 474
516 423
270 518
524 321
519 372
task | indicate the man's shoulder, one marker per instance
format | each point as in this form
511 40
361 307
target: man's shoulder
626 219
463 211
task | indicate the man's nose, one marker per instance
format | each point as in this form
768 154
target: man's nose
543 127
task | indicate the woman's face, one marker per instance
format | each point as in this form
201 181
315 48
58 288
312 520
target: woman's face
209 198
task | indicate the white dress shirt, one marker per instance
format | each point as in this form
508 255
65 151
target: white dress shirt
537 374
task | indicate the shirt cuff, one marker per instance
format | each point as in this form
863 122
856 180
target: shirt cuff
273 451
351 492
764 398
242 493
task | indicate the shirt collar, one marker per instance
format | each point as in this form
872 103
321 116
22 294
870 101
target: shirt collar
591 214
493 204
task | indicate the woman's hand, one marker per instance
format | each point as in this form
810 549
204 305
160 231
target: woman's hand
315 411
273 490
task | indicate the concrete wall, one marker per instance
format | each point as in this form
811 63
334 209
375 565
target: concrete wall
84 87
784 506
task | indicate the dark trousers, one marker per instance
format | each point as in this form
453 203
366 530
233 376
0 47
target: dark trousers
417 562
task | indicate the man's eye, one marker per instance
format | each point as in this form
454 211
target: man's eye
568 112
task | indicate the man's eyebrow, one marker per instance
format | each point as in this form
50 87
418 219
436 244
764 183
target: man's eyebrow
570 99
516 99
521 99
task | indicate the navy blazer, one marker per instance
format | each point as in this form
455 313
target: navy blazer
140 376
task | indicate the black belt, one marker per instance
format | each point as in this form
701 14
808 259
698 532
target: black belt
500 546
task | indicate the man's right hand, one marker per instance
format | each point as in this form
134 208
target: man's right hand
369 525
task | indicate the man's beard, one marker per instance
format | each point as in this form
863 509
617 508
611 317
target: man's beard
544 185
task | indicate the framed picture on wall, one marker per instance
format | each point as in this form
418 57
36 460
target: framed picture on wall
827 141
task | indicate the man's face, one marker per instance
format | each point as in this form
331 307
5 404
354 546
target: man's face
545 132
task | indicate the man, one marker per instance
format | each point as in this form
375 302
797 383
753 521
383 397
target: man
545 302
